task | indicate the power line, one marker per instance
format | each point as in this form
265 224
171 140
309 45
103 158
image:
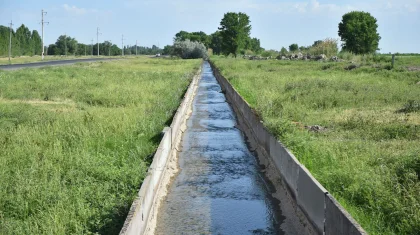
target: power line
10 41
42 23
97 37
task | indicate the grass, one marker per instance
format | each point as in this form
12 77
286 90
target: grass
368 155
32 59
76 141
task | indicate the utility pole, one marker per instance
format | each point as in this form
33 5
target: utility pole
65 44
10 41
97 37
92 46
110 47
42 23
136 47
122 45
85 50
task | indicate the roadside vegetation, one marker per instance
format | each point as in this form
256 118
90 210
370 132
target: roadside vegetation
32 59
76 141
357 130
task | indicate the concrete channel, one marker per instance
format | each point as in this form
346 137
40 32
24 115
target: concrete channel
220 188
219 171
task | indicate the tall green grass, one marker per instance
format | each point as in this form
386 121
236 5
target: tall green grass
368 156
76 141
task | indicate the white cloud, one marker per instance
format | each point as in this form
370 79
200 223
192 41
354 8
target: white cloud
75 10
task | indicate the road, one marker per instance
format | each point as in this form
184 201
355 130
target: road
50 63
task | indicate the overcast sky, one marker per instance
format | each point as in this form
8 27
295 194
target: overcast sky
276 23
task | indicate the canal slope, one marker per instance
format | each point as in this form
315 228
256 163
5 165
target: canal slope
220 187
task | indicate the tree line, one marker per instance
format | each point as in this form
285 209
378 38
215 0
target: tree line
24 41
232 37
358 32
29 43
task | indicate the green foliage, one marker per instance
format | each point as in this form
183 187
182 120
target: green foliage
168 50
193 36
283 51
368 156
254 45
327 47
190 49
358 31
216 42
76 141
294 47
268 53
234 29
317 42
24 42
36 43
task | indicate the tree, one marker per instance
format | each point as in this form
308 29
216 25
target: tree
234 29
216 42
194 37
358 32
168 50
36 43
23 36
62 44
254 45
283 51
294 47
189 49
316 43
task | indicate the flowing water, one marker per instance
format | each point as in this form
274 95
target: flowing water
220 188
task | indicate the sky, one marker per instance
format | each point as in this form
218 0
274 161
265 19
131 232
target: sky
155 22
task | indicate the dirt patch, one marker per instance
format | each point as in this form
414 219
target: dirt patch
316 128
352 66
413 68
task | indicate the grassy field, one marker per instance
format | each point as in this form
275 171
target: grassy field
76 141
366 150
32 59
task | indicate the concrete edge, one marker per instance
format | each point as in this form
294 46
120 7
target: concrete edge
324 213
145 206
338 220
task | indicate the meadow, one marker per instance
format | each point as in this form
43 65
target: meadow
76 141
356 129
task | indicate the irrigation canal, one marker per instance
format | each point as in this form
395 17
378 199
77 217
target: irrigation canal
220 188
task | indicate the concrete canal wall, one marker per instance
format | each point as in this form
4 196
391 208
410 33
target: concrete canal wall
311 199
141 218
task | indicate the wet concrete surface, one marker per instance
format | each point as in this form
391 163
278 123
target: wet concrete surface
220 188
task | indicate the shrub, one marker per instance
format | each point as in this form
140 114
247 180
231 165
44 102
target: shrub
283 51
190 50
327 47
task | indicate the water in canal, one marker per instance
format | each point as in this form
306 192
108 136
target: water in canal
220 188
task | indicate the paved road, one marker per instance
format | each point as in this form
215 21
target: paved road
50 63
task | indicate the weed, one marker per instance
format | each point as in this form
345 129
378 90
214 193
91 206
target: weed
369 157
75 144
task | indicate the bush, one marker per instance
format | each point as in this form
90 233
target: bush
190 50
327 47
